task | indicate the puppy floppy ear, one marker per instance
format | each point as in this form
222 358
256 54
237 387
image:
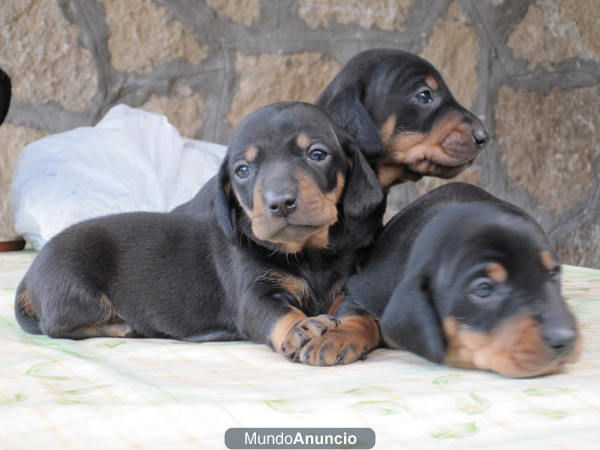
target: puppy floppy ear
222 204
409 321
348 111
363 193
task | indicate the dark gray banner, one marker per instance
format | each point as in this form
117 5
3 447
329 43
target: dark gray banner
308 438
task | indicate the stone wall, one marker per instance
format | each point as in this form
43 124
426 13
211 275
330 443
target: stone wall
529 68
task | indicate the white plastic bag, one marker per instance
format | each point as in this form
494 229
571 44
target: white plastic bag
132 160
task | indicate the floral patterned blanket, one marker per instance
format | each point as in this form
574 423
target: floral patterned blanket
151 393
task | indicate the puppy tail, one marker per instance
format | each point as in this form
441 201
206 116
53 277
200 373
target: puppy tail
24 312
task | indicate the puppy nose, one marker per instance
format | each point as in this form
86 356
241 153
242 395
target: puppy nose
281 204
480 136
560 339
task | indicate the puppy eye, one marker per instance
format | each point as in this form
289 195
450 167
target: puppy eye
481 288
317 153
242 171
424 96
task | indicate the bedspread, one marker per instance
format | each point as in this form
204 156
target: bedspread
152 393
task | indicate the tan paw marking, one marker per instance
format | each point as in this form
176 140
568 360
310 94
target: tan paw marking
304 331
350 341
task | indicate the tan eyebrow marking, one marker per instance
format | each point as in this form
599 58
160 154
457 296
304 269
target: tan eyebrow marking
303 141
497 272
251 153
547 260
431 82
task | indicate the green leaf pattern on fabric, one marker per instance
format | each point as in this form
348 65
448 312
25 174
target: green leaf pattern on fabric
159 393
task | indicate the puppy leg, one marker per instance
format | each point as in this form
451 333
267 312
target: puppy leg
270 318
321 340
78 313
116 329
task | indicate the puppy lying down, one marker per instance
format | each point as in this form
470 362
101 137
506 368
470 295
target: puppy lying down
463 278
275 248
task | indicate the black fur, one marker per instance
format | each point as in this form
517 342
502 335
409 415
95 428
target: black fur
203 277
423 267
378 83
371 86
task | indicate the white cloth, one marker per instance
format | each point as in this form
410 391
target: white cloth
132 160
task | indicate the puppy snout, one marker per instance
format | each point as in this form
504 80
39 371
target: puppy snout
560 339
480 135
281 204
459 146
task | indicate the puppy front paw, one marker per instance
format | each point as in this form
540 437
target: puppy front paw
304 332
350 341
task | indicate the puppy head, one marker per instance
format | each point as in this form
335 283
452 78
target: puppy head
401 113
491 300
292 173
5 91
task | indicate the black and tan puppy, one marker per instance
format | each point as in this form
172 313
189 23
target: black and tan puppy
5 92
273 250
398 109
464 278
400 113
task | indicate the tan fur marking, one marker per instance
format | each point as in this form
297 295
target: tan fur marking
283 326
318 240
110 325
336 193
431 82
117 330
25 304
303 141
515 348
547 260
262 221
392 174
425 153
364 326
310 197
289 247
497 272
450 326
321 238
387 129
411 147
110 313
314 209
335 304
251 153
402 143
296 286
349 341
